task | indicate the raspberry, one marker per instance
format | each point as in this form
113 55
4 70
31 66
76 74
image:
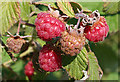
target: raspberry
48 27
72 42
49 60
15 43
98 31
29 70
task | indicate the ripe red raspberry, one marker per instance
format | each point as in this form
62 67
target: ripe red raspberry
29 70
49 60
48 27
98 31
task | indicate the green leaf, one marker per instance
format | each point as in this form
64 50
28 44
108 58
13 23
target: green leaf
74 65
52 4
93 67
8 74
24 10
18 68
79 6
29 30
92 6
8 15
75 6
112 21
110 7
65 7
111 76
39 75
35 9
5 56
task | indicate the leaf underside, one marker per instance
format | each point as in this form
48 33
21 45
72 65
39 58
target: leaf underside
76 64
8 15
65 7
93 67
110 7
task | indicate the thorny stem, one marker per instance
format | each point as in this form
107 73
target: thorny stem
25 36
32 13
49 7
19 20
78 22
18 30
28 24
9 34
30 49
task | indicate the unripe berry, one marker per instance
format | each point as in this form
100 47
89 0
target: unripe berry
15 43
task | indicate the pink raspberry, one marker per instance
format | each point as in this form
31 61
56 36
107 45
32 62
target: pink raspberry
29 70
98 31
49 60
48 27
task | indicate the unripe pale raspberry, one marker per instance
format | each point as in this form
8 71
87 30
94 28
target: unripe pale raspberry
29 70
49 60
98 31
15 43
48 27
72 42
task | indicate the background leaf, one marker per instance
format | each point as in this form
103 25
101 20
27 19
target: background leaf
92 6
52 4
8 74
111 7
35 9
75 64
39 75
75 6
93 67
112 21
24 10
8 15
28 29
65 7
5 55
18 68
80 7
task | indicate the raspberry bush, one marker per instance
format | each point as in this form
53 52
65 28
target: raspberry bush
59 40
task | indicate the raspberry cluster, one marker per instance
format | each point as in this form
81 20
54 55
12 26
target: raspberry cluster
72 40
29 70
